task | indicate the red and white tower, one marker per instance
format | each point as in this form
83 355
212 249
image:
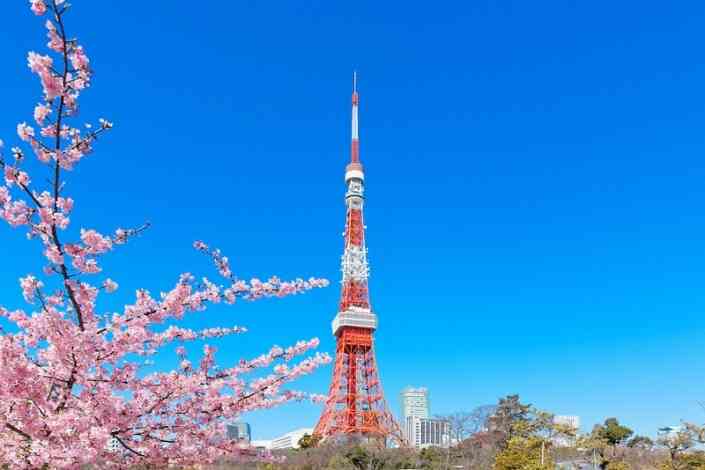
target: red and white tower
356 404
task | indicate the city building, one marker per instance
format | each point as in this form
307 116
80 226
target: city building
427 432
356 405
572 422
239 431
669 432
114 445
262 444
420 430
414 402
289 440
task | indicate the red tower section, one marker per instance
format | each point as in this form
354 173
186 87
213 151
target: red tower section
356 404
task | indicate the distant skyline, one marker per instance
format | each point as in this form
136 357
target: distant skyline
534 186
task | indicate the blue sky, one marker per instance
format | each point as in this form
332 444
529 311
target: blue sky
534 182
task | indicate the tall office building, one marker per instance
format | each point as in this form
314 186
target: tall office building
426 432
420 430
239 431
414 402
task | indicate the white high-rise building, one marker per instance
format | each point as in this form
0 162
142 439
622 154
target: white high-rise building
420 430
427 432
414 403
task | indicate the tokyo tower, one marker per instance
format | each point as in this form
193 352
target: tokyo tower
355 406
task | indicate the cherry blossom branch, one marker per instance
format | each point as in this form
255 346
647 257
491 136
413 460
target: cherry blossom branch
181 298
122 443
16 176
69 369
18 431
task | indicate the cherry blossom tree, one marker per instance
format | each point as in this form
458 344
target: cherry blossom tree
70 375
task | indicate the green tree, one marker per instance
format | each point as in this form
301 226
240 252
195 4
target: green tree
640 442
618 466
523 453
266 466
518 428
511 419
678 444
338 462
366 458
308 441
432 458
596 446
693 461
613 433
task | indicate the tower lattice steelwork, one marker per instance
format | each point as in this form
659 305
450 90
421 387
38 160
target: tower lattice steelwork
356 404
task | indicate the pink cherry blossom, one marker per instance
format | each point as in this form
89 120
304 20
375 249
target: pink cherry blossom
79 60
42 154
38 7
95 242
16 213
25 132
56 44
42 66
65 204
85 265
52 86
48 131
10 175
53 254
109 285
39 64
30 285
22 178
41 111
73 376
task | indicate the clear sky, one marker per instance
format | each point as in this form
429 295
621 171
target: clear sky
534 179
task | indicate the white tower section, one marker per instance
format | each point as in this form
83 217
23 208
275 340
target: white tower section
354 266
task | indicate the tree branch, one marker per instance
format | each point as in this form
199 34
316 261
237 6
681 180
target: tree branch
18 431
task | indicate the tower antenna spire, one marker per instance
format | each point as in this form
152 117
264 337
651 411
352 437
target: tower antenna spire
355 144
